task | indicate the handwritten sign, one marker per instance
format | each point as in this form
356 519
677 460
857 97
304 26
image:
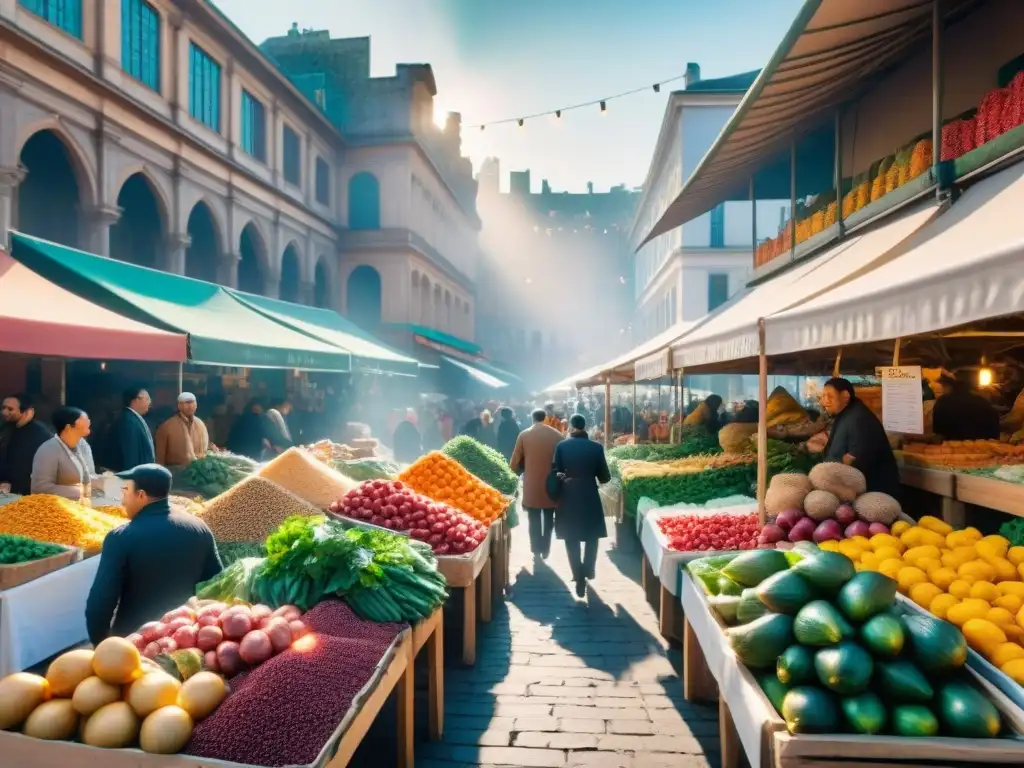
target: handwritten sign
902 405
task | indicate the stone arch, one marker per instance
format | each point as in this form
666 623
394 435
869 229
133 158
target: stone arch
158 187
322 282
363 201
363 297
447 312
192 195
426 317
436 310
139 235
82 162
252 262
414 296
57 188
203 254
290 286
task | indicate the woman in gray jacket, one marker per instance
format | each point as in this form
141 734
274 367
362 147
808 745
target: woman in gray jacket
63 465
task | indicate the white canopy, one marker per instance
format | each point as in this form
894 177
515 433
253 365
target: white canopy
965 266
732 334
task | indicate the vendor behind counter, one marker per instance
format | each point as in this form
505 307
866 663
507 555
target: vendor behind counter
960 413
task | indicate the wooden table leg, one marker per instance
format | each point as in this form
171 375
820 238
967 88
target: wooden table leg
731 749
484 591
643 573
404 697
499 553
435 681
668 614
469 624
954 512
698 682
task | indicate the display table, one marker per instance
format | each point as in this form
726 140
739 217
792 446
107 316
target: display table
749 723
45 616
463 572
940 483
430 633
990 492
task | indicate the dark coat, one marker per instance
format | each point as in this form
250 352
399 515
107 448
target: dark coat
407 443
18 449
965 416
131 442
247 435
858 432
508 433
148 567
473 428
580 515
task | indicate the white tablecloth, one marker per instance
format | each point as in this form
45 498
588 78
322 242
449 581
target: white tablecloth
666 563
45 616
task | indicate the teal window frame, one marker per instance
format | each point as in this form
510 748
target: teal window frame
204 82
291 156
718 226
254 127
140 42
323 181
66 15
718 290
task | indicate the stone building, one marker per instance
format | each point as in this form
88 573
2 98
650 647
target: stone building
155 132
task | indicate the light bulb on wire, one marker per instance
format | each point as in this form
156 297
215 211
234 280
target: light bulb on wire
604 107
520 121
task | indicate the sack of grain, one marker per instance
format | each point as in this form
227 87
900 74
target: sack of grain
297 471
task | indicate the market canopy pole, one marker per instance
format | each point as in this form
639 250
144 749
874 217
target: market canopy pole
838 363
607 411
896 352
937 84
762 424
181 378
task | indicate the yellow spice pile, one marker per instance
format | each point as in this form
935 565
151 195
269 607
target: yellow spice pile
57 520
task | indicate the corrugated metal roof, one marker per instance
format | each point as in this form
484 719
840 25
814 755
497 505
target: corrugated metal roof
828 56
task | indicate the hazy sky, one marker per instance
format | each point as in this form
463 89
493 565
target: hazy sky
495 59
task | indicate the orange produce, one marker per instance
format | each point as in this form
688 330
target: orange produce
444 479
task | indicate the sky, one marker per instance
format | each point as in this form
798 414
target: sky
496 60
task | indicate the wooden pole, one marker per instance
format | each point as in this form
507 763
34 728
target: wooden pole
792 201
634 412
838 362
762 424
181 377
896 353
937 85
607 412
839 172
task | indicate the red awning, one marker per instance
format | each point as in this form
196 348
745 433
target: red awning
38 317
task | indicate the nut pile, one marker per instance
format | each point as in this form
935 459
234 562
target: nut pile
298 471
252 510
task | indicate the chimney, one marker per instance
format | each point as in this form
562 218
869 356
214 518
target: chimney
453 124
692 73
545 188
590 187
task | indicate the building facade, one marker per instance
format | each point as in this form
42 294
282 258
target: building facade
155 132
555 285
692 270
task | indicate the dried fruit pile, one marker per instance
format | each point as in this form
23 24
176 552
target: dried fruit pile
393 505
443 479
57 520
252 510
298 471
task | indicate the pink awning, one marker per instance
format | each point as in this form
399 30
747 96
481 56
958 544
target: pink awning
38 317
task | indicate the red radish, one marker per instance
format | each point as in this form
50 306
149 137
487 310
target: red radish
215 608
152 650
857 528
210 661
788 518
827 530
260 612
235 625
255 648
179 613
878 528
228 658
175 624
298 629
845 514
186 636
136 639
208 638
279 632
802 530
772 533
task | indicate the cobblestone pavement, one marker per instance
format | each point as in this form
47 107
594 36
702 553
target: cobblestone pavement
566 683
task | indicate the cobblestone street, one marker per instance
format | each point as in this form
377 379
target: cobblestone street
561 682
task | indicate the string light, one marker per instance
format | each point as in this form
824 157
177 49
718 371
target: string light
602 104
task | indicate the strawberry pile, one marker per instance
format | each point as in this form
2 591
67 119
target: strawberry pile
689 533
392 504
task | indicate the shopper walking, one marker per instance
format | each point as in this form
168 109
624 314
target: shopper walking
508 432
531 457
580 465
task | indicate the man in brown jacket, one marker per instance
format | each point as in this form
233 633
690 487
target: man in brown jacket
534 451
183 437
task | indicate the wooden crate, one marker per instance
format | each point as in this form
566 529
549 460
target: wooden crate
13 575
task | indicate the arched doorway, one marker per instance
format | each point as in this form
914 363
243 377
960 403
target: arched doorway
363 201
50 196
204 249
363 297
250 268
138 236
290 277
426 318
321 286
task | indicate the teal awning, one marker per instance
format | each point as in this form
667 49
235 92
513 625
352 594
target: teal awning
368 354
446 340
222 329
475 373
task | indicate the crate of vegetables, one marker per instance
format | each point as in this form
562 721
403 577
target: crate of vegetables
23 559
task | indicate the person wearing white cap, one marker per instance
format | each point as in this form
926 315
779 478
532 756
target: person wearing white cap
183 437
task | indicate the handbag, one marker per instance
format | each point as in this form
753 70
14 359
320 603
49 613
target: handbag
553 485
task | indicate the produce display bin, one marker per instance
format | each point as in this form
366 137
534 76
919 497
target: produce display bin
463 572
15 575
429 633
394 673
749 723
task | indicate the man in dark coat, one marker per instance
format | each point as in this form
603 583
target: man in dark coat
152 564
858 439
508 432
131 441
962 414
579 517
21 437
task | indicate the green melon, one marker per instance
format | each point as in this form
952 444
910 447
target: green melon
864 713
810 710
845 668
882 634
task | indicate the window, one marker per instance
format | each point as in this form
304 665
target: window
718 291
204 88
718 226
323 182
292 157
63 14
363 201
254 127
140 42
